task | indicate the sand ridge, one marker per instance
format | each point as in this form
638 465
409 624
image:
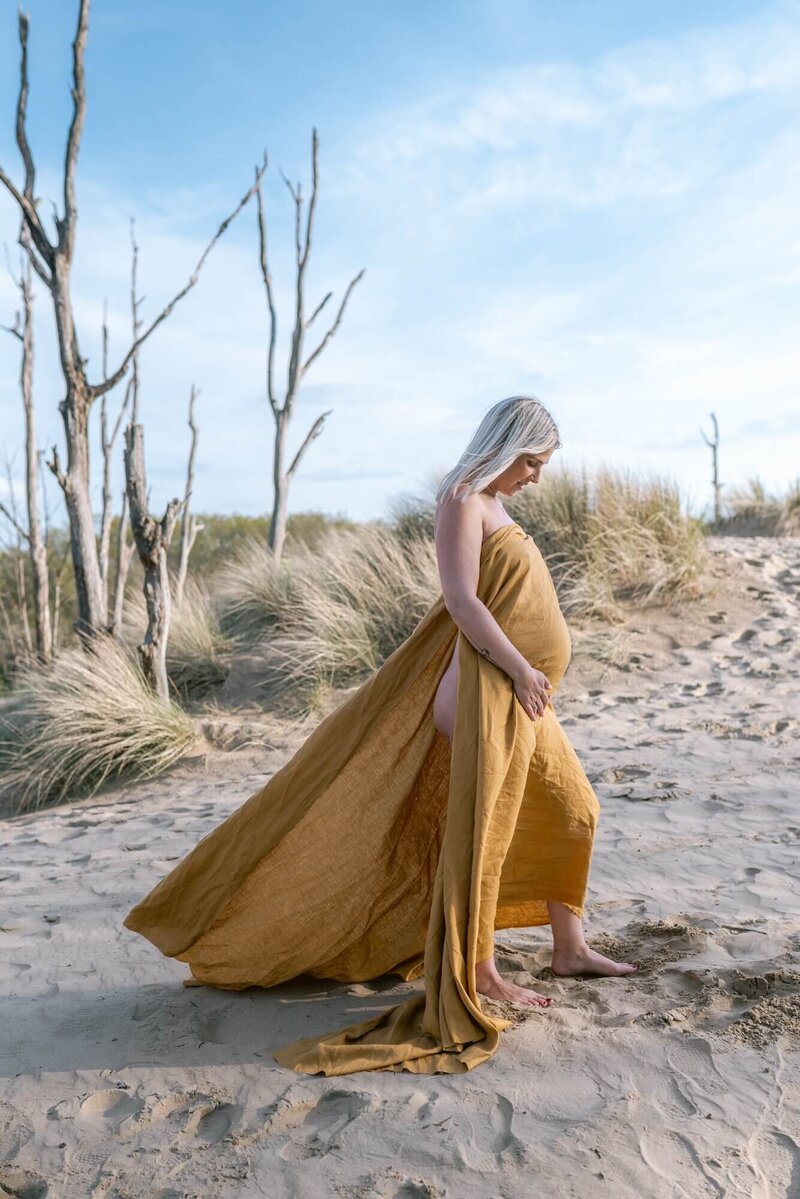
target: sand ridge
683 1079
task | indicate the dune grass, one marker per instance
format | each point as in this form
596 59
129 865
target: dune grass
90 717
354 599
607 536
326 617
198 652
333 614
613 536
750 509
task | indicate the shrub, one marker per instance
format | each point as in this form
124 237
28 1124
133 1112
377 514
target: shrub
89 717
356 599
611 536
254 595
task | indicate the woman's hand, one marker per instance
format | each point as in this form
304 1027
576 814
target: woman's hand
532 690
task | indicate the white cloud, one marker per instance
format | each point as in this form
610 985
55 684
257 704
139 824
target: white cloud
619 238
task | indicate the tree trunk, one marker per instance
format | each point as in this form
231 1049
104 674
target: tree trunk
91 616
713 444
189 526
277 525
124 554
152 542
52 258
281 476
38 549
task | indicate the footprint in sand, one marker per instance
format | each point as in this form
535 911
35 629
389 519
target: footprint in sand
416 1189
15 1131
195 1113
108 1108
311 1125
391 1184
22 1184
324 1123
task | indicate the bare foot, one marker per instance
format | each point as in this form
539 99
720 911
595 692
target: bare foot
498 988
588 961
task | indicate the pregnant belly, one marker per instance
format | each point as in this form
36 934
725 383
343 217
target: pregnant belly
540 631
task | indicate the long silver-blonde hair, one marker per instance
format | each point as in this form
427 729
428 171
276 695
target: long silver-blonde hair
517 425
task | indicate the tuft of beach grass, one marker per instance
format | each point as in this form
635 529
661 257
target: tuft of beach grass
89 717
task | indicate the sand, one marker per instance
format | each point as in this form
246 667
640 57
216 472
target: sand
683 1080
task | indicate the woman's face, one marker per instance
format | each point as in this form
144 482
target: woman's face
525 469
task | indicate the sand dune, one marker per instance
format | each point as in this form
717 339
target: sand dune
683 1080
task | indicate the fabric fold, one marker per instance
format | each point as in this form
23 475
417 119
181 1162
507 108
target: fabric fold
379 847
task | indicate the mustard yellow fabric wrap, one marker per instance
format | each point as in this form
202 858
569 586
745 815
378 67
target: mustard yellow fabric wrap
377 848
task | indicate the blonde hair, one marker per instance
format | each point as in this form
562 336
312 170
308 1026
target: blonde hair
517 425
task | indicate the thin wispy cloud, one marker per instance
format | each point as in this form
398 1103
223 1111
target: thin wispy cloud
616 234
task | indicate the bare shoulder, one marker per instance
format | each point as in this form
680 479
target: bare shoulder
459 524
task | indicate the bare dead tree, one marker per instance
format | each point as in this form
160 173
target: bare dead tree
20 641
125 551
152 541
57 561
125 548
52 259
32 535
281 474
713 444
107 449
190 526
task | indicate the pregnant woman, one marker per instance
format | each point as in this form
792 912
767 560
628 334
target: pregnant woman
439 802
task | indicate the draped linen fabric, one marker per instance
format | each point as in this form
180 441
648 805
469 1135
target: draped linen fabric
379 847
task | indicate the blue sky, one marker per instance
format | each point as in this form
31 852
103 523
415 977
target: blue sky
596 203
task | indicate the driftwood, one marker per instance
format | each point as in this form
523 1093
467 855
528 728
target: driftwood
152 539
51 258
281 474
190 526
32 535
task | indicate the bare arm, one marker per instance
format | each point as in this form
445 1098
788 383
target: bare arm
459 536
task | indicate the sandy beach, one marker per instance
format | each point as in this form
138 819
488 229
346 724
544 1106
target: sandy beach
682 1080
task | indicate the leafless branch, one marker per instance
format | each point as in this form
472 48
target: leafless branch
297 197
709 442
31 217
14 329
54 466
189 526
100 388
22 104
136 325
28 246
12 520
314 187
336 323
313 432
267 277
66 227
25 199
318 310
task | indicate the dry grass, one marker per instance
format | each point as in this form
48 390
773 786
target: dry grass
253 596
751 510
357 597
613 536
198 653
609 536
89 718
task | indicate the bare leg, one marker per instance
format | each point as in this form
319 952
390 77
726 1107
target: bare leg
487 979
444 703
571 954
